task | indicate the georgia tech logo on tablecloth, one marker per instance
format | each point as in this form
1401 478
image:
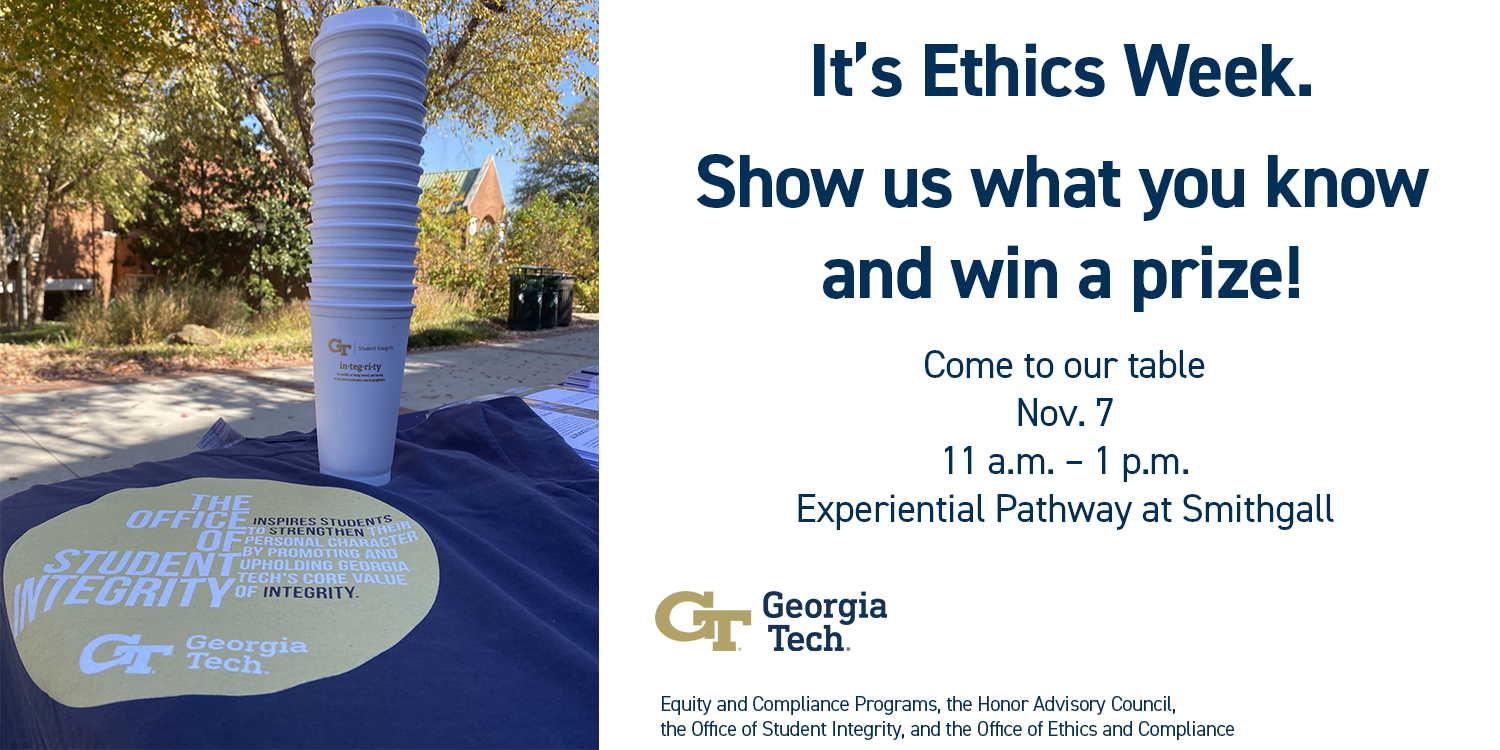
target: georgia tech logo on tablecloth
136 658
820 637
213 586
716 622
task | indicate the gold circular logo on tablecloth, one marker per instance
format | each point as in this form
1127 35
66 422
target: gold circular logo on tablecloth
213 587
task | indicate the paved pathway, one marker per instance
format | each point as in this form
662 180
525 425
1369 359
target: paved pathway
52 436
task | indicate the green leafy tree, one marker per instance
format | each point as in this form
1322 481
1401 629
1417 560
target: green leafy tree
448 257
564 164
558 191
498 68
77 82
198 220
214 178
82 84
545 232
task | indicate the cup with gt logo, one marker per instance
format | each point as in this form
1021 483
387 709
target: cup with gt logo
369 65
359 355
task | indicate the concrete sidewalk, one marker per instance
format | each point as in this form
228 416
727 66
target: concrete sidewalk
52 436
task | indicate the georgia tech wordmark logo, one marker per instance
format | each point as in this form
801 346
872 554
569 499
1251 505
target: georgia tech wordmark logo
337 346
715 622
136 658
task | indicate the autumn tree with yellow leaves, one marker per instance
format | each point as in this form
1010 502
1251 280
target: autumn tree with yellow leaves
77 83
498 68
84 90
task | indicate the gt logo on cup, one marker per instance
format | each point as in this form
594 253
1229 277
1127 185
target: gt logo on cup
135 658
337 346
715 622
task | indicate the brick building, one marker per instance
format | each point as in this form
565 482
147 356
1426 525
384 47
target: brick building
85 254
480 188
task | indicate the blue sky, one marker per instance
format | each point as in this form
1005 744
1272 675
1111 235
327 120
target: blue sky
444 151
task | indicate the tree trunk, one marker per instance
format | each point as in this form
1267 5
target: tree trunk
22 298
12 301
292 70
12 288
37 248
268 122
31 235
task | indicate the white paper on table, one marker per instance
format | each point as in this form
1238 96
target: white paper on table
567 398
581 433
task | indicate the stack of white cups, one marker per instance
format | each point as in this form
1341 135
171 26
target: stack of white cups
370 68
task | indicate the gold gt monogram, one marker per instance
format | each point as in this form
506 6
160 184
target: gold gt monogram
715 622
337 346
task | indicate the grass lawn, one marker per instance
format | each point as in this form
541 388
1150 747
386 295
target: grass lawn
280 339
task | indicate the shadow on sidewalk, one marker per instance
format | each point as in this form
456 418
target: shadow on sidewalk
54 436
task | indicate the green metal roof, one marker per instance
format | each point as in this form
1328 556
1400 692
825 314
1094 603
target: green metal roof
463 179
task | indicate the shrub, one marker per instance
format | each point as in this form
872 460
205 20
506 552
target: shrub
448 257
146 315
586 295
547 233
290 317
444 317
210 181
436 306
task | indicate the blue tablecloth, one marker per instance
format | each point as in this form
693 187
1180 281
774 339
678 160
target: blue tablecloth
506 657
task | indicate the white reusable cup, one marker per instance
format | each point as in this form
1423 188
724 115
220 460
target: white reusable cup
373 25
400 129
366 170
361 232
358 61
362 273
359 355
366 147
377 294
326 47
385 84
378 191
378 254
368 105
357 210
359 345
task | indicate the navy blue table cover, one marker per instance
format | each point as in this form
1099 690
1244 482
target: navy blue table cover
507 657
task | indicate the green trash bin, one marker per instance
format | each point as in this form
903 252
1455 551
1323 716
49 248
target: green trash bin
526 293
565 300
549 298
